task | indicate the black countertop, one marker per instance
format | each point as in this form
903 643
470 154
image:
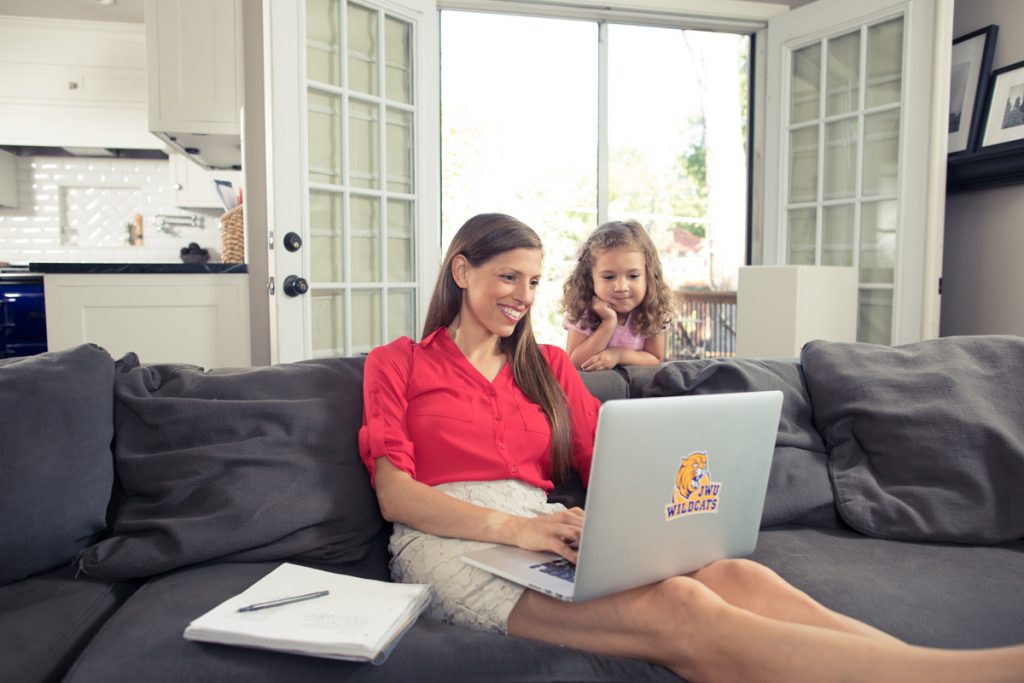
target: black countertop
136 268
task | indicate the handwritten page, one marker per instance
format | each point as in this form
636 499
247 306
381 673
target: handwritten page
359 619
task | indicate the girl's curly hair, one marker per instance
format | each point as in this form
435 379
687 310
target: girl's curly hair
653 313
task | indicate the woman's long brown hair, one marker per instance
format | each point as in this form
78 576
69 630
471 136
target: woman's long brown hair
480 239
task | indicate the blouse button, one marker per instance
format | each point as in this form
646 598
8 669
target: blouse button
590 412
514 469
497 417
376 412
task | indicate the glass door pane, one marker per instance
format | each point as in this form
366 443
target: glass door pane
803 237
878 241
362 49
881 153
327 244
803 164
323 41
841 159
885 63
365 239
401 313
328 323
837 235
401 241
364 144
805 91
398 59
843 74
366 308
325 137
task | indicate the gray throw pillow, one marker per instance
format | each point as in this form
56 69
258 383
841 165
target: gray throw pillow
56 469
798 486
926 440
252 464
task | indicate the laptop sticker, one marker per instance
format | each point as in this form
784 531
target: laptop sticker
693 493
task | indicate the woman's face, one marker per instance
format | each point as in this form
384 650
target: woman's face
498 294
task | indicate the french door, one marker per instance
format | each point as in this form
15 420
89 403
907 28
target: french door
854 168
352 180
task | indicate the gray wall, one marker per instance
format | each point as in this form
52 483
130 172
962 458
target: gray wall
982 273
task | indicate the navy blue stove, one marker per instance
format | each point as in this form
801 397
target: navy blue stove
22 313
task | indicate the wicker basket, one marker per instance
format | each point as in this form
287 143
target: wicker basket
232 236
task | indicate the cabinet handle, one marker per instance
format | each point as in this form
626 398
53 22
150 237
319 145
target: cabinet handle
177 186
72 85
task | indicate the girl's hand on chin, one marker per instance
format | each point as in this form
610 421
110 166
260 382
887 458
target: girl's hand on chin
558 533
603 309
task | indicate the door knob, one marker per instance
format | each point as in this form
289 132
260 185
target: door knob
292 241
295 285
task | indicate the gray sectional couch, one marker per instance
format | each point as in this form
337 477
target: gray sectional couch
134 497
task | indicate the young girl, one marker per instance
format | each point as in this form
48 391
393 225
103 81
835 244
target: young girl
616 301
464 433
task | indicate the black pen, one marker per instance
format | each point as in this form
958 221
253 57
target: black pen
282 601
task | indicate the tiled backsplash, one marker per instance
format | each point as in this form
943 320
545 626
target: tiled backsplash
79 209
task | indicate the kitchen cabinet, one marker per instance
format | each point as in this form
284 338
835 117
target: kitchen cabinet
195 318
8 180
194 64
70 83
192 185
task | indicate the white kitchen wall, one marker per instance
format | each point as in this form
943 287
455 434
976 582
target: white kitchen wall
75 209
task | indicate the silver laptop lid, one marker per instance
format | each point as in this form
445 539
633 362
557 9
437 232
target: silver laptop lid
677 483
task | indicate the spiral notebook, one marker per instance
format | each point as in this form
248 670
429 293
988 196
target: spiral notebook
357 619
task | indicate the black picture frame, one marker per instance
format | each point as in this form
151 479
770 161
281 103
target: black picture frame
969 80
1004 113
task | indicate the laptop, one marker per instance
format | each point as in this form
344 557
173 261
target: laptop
676 483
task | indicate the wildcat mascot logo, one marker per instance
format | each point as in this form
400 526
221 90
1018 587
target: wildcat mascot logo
694 492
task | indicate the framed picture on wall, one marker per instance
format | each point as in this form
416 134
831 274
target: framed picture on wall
972 62
1004 121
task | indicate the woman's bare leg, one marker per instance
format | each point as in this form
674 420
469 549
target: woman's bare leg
757 588
684 625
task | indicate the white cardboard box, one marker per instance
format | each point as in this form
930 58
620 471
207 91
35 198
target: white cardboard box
781 308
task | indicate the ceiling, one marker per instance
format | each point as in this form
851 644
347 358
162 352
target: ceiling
131 10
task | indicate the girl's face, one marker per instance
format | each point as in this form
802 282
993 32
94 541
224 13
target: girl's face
620 278
498 293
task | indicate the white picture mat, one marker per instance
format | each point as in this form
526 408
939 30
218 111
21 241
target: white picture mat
1008 86
963 91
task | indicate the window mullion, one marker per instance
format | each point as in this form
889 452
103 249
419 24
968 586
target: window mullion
602 122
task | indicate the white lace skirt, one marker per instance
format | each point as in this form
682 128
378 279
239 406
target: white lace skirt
463 594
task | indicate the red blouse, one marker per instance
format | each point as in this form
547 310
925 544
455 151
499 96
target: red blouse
433 415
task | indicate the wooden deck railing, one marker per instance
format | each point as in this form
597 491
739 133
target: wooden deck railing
705 325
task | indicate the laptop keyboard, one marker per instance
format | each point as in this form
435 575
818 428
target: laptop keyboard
561 568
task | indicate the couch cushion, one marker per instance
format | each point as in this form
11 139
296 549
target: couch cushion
143 642
56 469
638 377
798 486
926 441
939 595
247 464
605 384
47 619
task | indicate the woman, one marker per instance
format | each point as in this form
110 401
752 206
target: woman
466 431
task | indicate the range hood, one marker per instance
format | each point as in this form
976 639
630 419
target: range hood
85 152
211 151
